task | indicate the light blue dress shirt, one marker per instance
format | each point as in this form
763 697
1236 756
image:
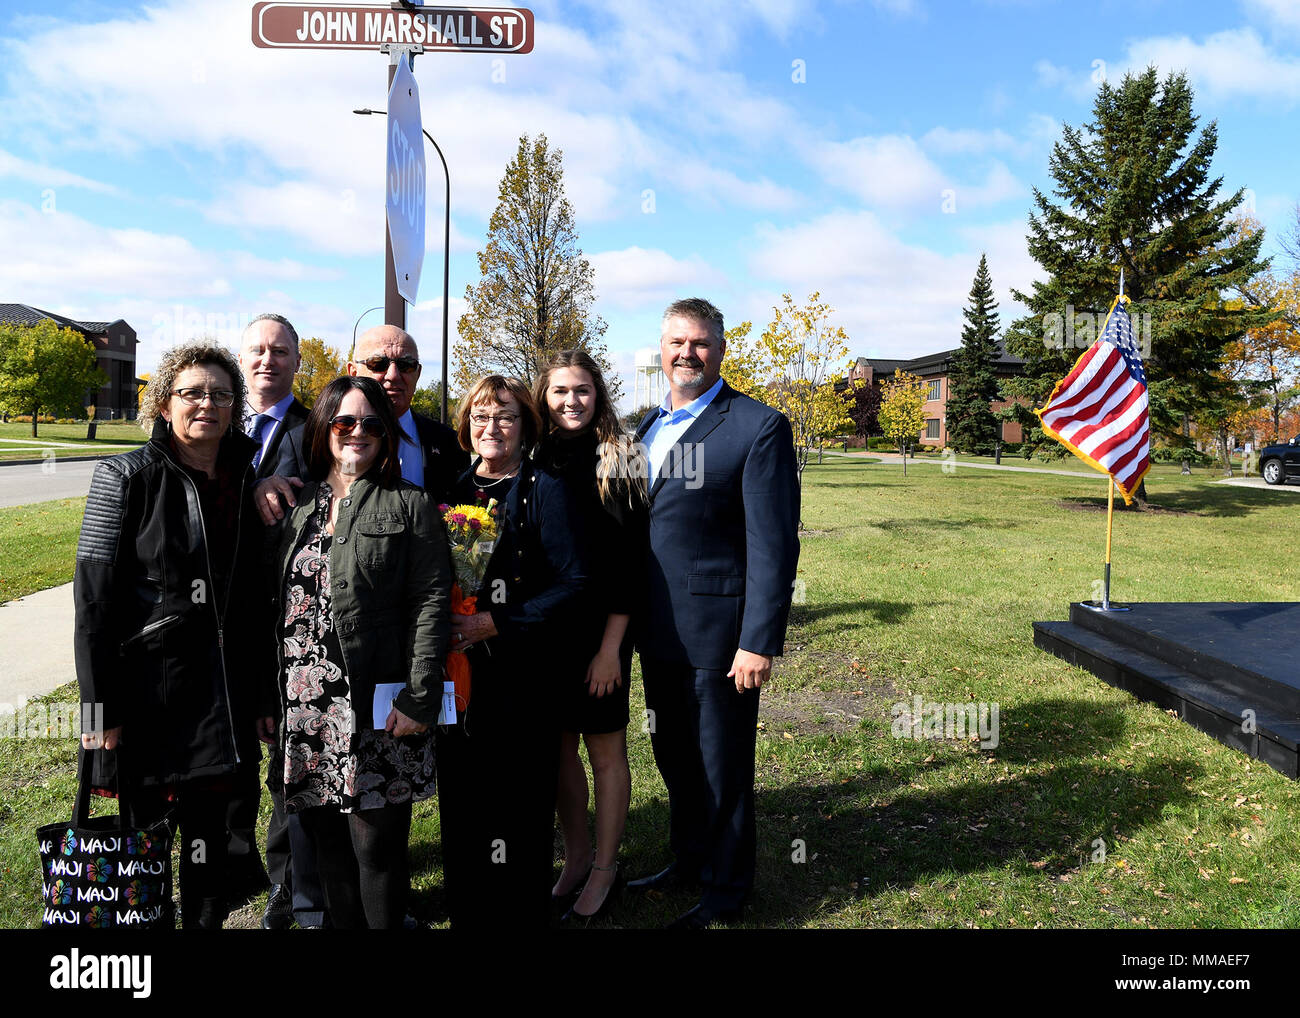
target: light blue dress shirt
409 452
671 424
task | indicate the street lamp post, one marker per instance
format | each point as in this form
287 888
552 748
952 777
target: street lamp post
446 252
352 353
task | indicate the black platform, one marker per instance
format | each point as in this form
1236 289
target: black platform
1209 661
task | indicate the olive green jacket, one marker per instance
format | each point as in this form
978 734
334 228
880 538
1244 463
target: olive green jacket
390 578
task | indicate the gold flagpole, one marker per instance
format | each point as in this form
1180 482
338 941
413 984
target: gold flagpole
1110 519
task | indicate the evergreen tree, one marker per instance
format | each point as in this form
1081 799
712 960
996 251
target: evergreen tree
535 293
1135 192
973 386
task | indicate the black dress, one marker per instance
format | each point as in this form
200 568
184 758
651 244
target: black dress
616 532
498 766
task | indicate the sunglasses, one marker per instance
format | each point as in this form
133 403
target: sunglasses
345 424
379 364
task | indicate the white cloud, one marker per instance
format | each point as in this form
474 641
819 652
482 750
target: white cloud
1282 14
638 278
895 299
1231 63
1080 85
888 170
892 173
48 176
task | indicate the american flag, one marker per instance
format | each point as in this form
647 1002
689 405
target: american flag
1099 410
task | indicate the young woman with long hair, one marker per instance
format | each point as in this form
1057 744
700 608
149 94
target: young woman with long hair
583 442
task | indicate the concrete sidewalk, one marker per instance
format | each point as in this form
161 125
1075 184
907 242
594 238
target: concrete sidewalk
893 457
36 641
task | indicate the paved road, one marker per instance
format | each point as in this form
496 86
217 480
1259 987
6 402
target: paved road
36 482
36 634
1259 482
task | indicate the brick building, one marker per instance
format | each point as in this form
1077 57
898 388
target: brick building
934 369
114 344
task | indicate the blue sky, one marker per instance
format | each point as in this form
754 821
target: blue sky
156 166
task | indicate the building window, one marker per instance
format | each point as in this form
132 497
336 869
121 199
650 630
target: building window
932 427
935 390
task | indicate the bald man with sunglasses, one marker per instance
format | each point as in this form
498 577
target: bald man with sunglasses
430 452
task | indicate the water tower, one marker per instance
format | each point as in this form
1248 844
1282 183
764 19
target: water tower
648 384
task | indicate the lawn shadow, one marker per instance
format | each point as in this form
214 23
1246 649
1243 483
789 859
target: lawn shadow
1212 500
826 845
882 611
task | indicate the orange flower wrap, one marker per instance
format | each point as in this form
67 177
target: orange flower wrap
458 669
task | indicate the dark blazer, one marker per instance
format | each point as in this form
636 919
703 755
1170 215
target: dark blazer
724 541
271 462
536 582
444 459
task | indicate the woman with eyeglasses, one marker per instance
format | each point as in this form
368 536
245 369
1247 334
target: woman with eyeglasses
171 624
363 573
498 765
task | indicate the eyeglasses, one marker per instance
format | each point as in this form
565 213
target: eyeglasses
345 424
379 364
504 421
195 396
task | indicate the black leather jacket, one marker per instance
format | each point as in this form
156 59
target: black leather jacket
171 639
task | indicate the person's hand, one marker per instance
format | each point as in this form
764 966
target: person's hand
102 740
267 495
750 670
604 675
398 725
266 730
470 629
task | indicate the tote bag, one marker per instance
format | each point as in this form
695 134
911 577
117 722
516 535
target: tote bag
101 873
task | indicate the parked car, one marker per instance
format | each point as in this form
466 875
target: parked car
1280 463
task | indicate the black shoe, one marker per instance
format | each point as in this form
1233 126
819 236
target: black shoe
279 909
561 903
245 879
210 914
575 918
671 878
702 916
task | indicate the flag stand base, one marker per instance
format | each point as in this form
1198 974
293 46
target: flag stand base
1097 606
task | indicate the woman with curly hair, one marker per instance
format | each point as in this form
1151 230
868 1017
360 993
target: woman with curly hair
170 626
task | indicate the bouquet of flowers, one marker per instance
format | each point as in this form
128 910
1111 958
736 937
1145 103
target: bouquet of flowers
472 531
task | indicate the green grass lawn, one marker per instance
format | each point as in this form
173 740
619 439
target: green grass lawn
111 437
38 544
927 586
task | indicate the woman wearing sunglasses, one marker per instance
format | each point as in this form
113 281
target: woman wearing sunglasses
363 575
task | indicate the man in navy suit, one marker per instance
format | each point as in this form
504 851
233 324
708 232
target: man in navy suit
724 546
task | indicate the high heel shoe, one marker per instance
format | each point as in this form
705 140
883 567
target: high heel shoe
564 902
573 917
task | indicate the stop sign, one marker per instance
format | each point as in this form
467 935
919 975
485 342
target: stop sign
404 202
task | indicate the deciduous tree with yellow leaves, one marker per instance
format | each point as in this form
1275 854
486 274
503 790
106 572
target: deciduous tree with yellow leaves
793 368
321 364
902 412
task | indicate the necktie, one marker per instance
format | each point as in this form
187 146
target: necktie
256 433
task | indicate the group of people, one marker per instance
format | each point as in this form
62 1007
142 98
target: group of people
287 576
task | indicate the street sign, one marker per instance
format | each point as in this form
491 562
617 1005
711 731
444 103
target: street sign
404 201
353 26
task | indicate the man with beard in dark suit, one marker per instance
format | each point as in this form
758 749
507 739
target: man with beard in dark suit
724 547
